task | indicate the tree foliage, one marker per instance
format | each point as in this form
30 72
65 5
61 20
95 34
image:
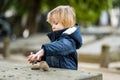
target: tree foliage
116 3
86 10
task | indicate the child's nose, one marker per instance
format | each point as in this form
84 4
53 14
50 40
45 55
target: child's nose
53 27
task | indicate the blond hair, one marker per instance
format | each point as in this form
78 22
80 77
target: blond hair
63 14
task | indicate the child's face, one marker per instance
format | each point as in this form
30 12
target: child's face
57 26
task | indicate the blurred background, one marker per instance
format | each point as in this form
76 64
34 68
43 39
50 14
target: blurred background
23 28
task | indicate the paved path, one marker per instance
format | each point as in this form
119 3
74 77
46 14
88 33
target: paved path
90 44
95 47
34 42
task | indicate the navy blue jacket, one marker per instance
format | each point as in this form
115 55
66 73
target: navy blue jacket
61 52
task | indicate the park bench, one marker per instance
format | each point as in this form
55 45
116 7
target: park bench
5 47
102 59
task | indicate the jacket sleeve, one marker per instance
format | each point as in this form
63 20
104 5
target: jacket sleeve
62 47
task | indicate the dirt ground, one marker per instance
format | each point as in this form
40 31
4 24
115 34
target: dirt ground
108 74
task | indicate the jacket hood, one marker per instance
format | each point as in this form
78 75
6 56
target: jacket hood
73 32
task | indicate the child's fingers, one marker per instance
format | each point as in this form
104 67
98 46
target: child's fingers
31 53
30 56
33 57
39 58
29 62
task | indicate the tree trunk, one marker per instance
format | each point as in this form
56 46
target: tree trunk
33 12
17 28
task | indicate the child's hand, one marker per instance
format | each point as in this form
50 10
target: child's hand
30 57
36 56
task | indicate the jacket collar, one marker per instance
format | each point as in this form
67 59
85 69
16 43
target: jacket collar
75 35
55 34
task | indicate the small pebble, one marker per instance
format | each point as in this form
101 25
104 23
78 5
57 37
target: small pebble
4 76
29 74
44 66
35 67
28 77
15 68
1 79
10 75
54 70
3 71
